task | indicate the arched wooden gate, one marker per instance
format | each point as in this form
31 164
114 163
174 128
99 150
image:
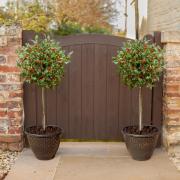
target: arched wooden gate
91 102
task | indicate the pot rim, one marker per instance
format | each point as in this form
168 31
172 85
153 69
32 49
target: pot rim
141 135
58 132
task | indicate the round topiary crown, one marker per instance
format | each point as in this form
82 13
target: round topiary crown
42 63
139 63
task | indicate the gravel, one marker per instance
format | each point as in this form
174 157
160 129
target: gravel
7 159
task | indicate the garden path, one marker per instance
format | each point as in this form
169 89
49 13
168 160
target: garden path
93 161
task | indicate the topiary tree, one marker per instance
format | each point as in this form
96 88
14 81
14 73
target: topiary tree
140 64
42 63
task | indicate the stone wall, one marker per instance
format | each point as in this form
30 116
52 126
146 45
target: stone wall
11 93
171 124
163 15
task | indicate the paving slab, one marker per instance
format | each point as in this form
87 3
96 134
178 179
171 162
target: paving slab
111 161
93 161
27 167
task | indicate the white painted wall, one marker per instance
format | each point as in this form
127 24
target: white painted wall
131 16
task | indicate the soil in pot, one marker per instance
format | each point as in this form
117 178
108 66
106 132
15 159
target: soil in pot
44 144
141 144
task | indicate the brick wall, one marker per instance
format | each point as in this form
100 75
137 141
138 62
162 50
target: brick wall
163 15
11 102
171 124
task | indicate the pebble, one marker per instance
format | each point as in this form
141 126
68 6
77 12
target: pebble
7 159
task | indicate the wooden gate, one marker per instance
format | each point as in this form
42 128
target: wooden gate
91 102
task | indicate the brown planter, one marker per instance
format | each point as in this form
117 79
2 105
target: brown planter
44 146
141 146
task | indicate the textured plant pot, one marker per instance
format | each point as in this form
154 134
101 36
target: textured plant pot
141 147
44 146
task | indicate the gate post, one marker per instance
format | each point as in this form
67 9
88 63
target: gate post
171 99
11 90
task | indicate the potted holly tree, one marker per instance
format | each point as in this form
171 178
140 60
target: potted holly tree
42 63
140 64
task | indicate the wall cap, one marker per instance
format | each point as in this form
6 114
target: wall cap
170 36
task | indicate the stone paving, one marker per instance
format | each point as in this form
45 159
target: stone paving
93 161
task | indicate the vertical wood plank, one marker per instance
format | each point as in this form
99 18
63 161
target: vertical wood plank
100 101
63 101
87 91
157 115
157 98
147 100
112 96
30 104
51 105
134 106
75 79
125 107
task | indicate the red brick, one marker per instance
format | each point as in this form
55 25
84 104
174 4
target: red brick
14 104
3 146
15 94
3 105
10 138
9 50
2 78
16 121
14 40
12 60
172 72
172 94
3 130
10 87
172 111
15 146
9 69
15 130
172 87
168 119
173 78
13 78
3 113
14 114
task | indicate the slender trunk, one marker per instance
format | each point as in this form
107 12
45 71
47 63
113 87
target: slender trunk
43 109
137 37
140 109
137 19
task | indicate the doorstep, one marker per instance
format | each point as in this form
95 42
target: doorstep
93 160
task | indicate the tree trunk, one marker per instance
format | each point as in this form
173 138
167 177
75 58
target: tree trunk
137 37
43 110
140 109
